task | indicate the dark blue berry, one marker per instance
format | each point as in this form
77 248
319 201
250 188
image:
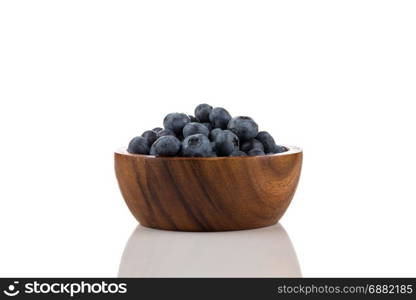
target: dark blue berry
219 118
176 122
214 132
267 140
207 125
226 142
251 144
255 152
194 128
213 147
202 112
150 136
166 146
244 127
157 129
165 132
238 153
193 119
138 145
197 145
279 149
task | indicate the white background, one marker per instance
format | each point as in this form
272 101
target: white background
78 79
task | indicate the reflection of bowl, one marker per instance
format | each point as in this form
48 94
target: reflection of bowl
208 194
263 252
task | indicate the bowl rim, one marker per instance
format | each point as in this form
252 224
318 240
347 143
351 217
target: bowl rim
292 150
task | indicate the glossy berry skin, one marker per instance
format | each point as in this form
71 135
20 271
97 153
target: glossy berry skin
267 140
176 122
157 129
207 125
255 152
165 132
251 144
226 142
214 132
138 145
279 149
193 119
219 118
197 145
237 153
166 146
150 136
194 128
244 127
202 112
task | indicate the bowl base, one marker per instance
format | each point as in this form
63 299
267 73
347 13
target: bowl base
209 230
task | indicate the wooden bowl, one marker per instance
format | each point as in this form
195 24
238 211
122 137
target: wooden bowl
208 194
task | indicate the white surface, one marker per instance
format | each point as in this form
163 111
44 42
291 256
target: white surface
78 79
264 252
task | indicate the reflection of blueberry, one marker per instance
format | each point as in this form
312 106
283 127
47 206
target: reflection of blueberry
202 112
197 145
166 146
165 132
194 128
244 127
150 136
226 142
138 145
176 122
267 140
237 153
219 118
255 152
251 144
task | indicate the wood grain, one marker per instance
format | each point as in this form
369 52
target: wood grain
208 194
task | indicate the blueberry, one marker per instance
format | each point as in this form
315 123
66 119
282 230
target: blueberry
244 127
213 147
207 125
176 122
279 149
157 129
150 136
226 142
193 119
166 146
194 128
138 145
165 132
197 145
219 118
251 144
214 133
237 153
202 112
267 140
255 152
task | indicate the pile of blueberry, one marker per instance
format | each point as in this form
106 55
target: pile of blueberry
211 132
